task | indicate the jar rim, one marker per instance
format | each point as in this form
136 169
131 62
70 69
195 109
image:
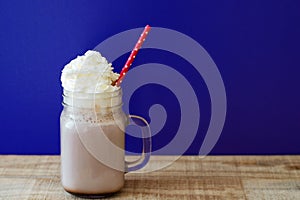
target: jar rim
111 99
97 95
118 106
89 93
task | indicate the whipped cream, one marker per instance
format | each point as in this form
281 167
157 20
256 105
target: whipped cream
90 73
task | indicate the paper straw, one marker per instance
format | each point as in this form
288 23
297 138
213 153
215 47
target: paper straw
132 56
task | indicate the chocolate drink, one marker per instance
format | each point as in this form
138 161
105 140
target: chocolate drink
92 127
82 173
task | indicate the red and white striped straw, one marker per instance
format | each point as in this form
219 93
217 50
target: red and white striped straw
132 56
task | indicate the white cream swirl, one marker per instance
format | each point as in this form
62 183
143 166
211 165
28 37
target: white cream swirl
90 73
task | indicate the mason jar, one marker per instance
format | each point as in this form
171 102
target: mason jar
92 127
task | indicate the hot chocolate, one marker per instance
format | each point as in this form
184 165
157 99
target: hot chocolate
82 173
92 127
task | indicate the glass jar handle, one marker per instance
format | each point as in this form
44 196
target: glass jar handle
146 136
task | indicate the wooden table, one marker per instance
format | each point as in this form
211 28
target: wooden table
214 177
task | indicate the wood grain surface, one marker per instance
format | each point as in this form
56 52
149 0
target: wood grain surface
214 177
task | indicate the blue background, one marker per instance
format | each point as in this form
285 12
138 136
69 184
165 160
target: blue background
255 45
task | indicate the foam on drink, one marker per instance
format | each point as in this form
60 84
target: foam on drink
89 73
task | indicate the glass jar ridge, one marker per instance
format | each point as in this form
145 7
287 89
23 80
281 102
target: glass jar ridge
94 107
95 101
